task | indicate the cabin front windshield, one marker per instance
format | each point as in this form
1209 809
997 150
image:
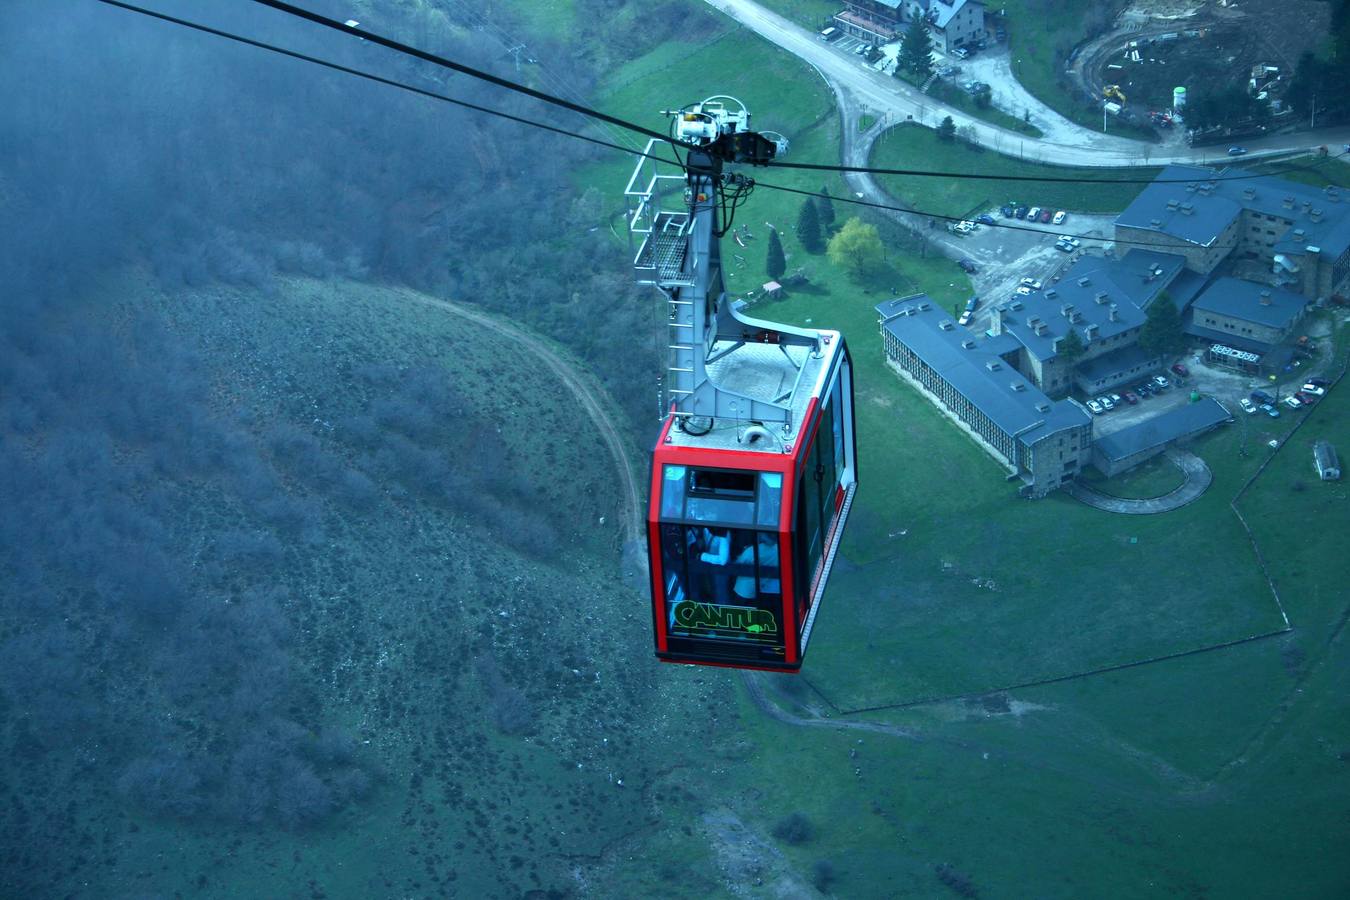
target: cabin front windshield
722 583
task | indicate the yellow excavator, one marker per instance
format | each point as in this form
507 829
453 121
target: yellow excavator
1113 92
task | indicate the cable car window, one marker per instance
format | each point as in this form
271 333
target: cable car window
672 491
723 482
723 584
770 499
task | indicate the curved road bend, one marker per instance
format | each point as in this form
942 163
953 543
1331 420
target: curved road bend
1066 143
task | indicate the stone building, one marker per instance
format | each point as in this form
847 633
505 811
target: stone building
1042 441
1299 233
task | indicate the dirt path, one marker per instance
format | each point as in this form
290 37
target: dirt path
587 394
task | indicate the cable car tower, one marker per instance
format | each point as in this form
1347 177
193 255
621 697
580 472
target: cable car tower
755 468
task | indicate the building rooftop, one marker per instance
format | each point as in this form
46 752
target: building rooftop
941 12
1144 274
1251 302
1088 298
1010 401
1199 210
1171 425
1108 364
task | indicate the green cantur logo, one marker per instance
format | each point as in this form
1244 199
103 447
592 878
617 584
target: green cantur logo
725 618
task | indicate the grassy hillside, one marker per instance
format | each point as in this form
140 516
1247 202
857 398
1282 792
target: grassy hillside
903 146
500 693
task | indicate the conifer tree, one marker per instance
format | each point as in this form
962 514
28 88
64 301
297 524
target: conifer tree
808 227
916 50
825 207
776 264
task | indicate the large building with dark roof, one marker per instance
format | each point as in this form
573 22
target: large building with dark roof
1045 442
1245 315
1124 449
1301 233
1102 302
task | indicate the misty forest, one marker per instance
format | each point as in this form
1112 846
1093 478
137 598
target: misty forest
298 570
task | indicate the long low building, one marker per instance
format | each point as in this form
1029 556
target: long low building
1124 449
1045 442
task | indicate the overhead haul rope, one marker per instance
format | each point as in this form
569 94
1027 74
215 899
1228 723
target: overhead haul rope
342 27
285 7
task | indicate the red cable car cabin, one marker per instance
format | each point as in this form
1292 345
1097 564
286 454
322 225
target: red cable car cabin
748 519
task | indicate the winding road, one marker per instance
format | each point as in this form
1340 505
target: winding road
1064 142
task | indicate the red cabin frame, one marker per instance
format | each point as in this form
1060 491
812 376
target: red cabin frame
771 628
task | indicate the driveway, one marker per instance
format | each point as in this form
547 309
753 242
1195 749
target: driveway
1197 480
1063 144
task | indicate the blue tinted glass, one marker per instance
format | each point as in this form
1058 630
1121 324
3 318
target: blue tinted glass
672 491
715 509
770 499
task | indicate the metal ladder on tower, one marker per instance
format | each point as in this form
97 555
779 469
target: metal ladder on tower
680 343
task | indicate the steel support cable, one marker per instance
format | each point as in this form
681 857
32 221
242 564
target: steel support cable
379 79
389 43
358 73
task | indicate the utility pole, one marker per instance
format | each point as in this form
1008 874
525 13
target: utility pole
515 53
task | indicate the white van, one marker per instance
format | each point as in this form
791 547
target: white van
830 34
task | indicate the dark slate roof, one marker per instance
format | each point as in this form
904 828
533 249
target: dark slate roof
1001 393
1080 286
1184 288
1175 423
1144 274
1197 218
1242 300
1320 216
999 344
1110 363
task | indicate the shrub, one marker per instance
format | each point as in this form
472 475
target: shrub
794 828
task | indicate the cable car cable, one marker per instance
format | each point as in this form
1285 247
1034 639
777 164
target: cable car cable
373 37
369 76
946 218
262 45
463 69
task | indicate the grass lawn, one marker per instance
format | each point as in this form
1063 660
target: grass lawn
949 93
1151 479
810 14
902 146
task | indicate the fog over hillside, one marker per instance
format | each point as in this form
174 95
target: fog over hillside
151 526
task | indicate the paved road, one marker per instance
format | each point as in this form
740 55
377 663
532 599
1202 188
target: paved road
1063 144
1198 480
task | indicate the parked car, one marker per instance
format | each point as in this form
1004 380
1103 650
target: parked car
1030 282
1144 389
968 266
961 53
972 304
1095 407
1247 406
1260 396
1064 246
985 219
1161 382
1319 382
1180 369
1020 212
1033 214
1131 398
1305 398
1313 388
966 318
1116 400
1045 216
1106 403
1006 210
1070 240
1292 402
1237 151
1059 217
1270 410
1023 290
